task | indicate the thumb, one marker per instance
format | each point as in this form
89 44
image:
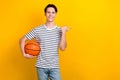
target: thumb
68 29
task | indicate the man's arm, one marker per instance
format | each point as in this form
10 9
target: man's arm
22 44
63 43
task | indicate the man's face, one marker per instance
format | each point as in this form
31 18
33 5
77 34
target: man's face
50 14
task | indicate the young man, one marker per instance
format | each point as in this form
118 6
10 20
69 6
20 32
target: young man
50 37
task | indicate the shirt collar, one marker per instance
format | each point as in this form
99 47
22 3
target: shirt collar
49 28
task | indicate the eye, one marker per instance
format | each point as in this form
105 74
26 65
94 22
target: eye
48 12
53 12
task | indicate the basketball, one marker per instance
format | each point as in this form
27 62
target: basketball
32 48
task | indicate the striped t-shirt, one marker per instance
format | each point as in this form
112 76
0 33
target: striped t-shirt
49 39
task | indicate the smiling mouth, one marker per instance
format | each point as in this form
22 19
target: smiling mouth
50 17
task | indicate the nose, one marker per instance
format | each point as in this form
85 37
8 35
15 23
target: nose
50 14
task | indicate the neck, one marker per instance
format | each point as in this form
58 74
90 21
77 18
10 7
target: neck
50 24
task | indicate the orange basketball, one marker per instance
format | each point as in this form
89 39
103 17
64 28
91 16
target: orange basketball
32 48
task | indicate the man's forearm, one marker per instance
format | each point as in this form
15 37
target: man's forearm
63 42
22 43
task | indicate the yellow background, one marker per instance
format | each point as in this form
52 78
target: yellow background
93 43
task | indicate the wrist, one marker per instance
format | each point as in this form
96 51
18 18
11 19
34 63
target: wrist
63 32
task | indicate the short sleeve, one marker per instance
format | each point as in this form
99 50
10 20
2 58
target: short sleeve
30 35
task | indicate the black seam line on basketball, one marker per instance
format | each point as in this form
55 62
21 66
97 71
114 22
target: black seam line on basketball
31 43
31 49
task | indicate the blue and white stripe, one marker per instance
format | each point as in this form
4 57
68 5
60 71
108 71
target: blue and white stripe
49 42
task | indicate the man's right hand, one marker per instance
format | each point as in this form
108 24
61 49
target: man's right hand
28 56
